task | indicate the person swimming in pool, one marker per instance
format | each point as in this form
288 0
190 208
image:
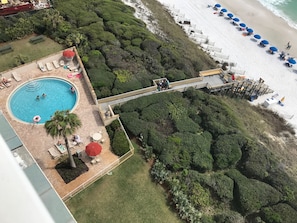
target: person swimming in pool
72 89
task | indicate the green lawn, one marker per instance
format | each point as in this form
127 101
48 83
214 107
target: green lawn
28 51
128 195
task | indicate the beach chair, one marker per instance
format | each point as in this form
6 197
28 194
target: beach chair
6 84
16 76
41 67
54 153
62 149
49 66
56 64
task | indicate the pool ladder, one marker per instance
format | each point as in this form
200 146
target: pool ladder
33 86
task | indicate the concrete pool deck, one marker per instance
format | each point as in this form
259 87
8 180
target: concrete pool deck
38 142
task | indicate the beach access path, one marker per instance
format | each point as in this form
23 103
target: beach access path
244 50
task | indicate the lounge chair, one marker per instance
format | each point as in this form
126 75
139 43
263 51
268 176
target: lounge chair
56 64
74 68
6 84
54 153
62 149
16 76
41 67
49 66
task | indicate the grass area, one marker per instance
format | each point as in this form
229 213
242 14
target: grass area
128 195
28 51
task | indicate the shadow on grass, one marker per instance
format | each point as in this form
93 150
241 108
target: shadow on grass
67 173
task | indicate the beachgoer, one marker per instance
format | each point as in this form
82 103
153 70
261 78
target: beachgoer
76 139
72 89
37 97
288 46
43 95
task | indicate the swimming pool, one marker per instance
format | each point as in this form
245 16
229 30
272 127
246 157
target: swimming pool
28 100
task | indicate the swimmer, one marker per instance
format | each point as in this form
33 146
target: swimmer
37 97
43 95
72 89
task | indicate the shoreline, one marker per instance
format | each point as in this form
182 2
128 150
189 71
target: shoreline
264 22
251 60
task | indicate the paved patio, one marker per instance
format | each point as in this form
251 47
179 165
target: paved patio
34 136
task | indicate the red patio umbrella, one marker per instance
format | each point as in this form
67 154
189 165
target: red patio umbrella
93 149
68 53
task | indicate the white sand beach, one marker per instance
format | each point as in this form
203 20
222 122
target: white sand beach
244 50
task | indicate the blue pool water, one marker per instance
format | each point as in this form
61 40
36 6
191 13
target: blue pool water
24 105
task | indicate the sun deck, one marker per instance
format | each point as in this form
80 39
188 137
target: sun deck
36 140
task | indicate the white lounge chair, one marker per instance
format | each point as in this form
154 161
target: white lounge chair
54 153
49 66
16 76
56 64
62 149
41 67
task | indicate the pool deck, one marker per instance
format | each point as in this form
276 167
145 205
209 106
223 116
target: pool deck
38 142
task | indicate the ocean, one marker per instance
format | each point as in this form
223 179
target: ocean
283 8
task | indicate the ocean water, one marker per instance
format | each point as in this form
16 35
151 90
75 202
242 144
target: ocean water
287 9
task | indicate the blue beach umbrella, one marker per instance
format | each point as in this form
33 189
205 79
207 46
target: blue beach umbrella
273 49
236 20
242 25
217 5
264 42
257 36
249 30
224 10
230 15
292 61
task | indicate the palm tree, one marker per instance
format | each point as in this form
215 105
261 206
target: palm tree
63 123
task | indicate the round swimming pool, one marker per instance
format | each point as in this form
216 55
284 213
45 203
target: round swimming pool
39 99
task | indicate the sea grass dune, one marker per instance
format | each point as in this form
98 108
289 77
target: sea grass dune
244 51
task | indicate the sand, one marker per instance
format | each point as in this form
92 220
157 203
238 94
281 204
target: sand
251 60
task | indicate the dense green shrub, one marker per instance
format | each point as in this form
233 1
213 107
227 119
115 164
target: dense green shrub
227 150
220 185
279 213
229 217
199 147
155 112
259 163
185 124
119 142
251 194
175 74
